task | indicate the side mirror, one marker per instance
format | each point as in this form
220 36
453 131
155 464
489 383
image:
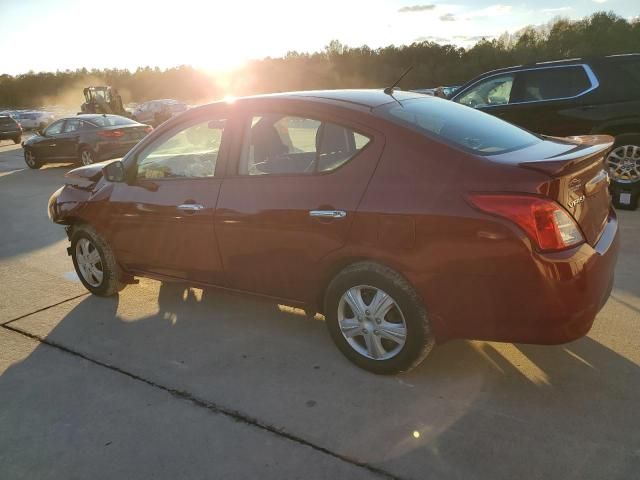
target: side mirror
114 171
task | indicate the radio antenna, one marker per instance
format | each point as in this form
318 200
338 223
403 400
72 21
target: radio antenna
389 90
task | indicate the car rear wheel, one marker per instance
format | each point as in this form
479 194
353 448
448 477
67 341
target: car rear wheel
623 163
95 262
87 157
31 160
377 320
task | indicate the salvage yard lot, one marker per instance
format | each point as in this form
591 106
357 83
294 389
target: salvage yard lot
168 382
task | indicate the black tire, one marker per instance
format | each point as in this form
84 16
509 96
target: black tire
419 339
31 160
110 283
16 140
86 156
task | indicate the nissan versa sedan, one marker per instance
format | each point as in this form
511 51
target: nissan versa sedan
83 138
407 220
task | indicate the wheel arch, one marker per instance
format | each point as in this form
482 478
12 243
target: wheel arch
338 264
84 146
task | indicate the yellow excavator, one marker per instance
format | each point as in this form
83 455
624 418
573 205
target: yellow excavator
103 99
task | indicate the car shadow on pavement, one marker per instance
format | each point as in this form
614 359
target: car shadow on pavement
471 410
24 195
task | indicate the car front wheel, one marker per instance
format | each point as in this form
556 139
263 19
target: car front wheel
376 319
31 160
95 262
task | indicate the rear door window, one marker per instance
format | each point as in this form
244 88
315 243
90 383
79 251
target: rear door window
551 83
285 145
464 127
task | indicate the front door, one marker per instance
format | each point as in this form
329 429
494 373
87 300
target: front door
68 139
289 198
47 149
491 95
161 222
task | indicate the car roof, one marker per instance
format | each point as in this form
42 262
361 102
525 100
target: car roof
363 98
565 61
90 116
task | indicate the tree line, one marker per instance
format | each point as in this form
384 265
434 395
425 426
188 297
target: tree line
338 66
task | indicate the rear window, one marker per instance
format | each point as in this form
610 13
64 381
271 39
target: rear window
7 121
462 126
111 121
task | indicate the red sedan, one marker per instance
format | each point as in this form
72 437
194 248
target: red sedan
406 219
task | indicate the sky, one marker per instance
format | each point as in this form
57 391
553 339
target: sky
50 35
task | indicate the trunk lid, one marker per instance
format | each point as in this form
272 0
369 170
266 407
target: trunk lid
578 177
133 132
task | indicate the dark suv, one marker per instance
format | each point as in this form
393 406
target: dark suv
572 97
10 129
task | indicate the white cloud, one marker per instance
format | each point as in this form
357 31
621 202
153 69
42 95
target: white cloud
553 11
599 1
490 11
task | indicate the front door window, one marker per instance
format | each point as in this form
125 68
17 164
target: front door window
489 92
188 153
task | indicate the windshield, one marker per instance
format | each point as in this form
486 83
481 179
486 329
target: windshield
462 126
111 121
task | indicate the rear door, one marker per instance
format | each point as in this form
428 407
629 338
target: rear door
289 197
68 139
550 101
162 221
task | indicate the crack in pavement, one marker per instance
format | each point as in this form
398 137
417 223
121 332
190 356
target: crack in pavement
42 309
208 405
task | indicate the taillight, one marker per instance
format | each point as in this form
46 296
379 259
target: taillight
549 226
148 129
110 133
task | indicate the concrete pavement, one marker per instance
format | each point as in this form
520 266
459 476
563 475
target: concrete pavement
77 371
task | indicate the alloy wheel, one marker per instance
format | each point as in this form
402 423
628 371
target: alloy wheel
371 322
30 158
89 262
624 163
86 157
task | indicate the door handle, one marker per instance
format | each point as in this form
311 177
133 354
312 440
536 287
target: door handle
190 207
327 213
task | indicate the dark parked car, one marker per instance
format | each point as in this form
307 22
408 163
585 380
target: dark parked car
407 221
84 138
572 97
10 129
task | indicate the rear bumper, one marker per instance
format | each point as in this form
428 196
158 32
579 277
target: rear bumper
554 301
10 135
108 150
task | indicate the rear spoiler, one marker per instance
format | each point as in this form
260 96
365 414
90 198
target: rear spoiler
587 149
